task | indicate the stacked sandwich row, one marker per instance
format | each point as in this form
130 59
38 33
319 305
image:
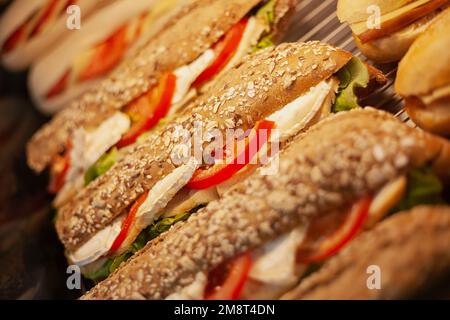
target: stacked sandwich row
212 164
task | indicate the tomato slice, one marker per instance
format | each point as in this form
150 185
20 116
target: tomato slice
60 86
127 224
43 19
227 281
219 173
14 39
106 55
224 51
146 111
329 234
59 170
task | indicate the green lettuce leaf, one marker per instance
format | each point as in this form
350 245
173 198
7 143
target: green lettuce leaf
152 232
353 75
101 166
267 14
424 187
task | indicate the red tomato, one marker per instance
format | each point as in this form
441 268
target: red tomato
58 172
146 111
224 51
107 55
59 87
227 281
127 224
219 173
44 18
328 234
11 43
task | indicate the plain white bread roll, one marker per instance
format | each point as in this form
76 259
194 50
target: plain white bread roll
18 12
52 67
424 77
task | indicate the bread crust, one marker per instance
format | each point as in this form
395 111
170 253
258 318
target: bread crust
351 11
206 20
316 176
426 66
394 246
264 83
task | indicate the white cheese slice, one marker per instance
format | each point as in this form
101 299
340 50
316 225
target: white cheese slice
158 198
97 246
385 200
267 268
186 75
194 291
299 114
89 146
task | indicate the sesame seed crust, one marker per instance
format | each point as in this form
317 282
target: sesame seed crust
250 92
324 170
202 23
411 249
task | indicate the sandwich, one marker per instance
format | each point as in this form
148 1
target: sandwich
28 29
385 29
343 176
423 78
156 83
410 249
201 154
85 57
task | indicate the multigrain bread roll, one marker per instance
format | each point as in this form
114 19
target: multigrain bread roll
424 78
411 250
401 22
283 90
324 193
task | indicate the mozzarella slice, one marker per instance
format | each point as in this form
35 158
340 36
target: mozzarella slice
299 114
267 268
158 198
385 200
97 246
194 291
89 146
186 75
186 200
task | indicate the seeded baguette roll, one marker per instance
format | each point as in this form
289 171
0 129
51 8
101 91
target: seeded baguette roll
316 176
411 249
264 83
206 22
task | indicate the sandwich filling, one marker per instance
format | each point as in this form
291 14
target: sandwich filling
38 22
395 22
100 59
174 88
205 183
259 274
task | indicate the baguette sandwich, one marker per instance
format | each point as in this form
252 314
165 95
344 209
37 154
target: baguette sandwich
267 100
410 250
344 175
385 29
